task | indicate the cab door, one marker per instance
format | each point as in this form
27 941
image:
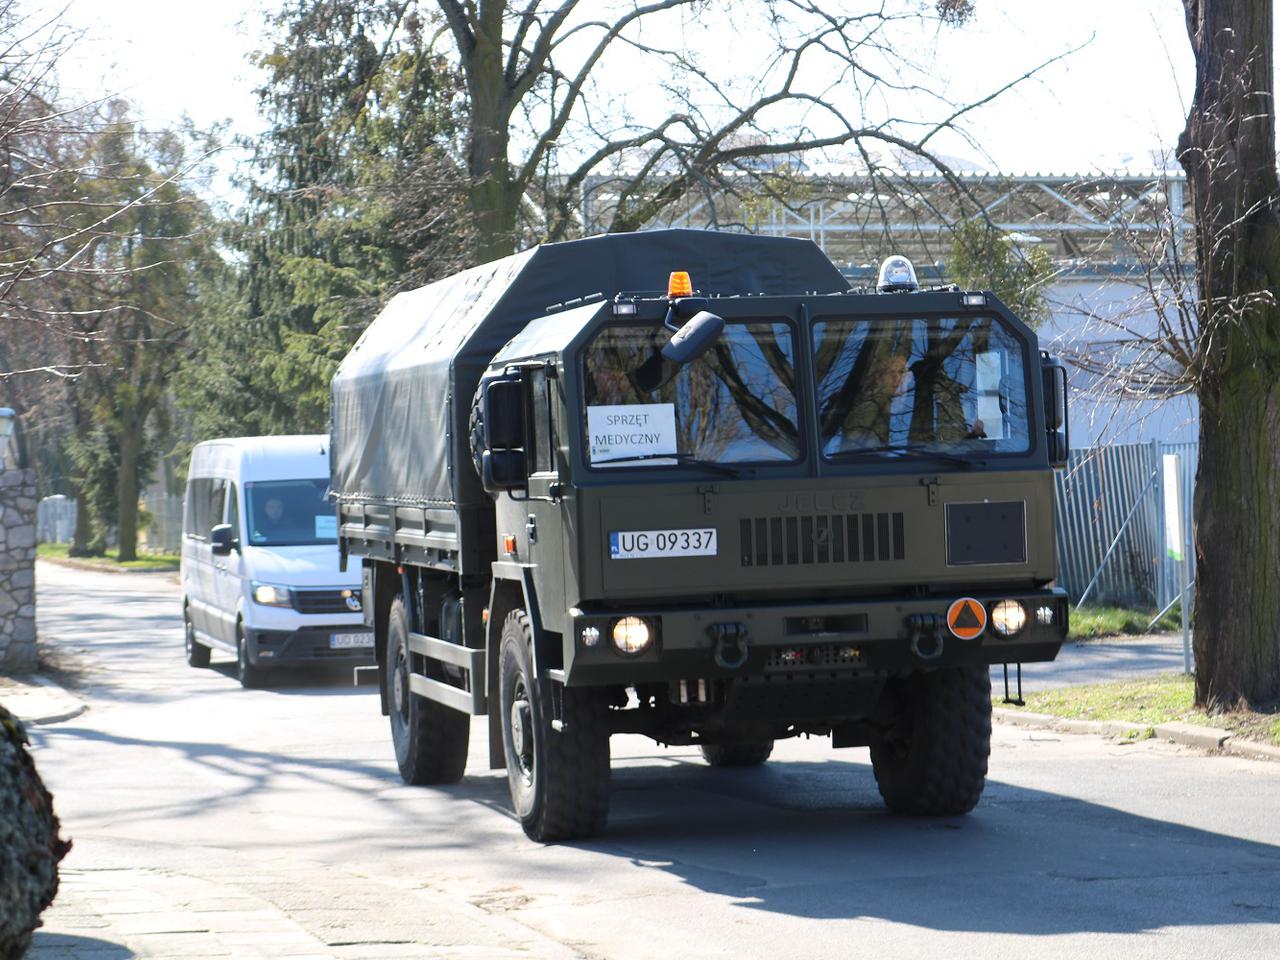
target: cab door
228 571
544 524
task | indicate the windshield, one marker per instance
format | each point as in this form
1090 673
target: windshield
282 513
939 385
735 404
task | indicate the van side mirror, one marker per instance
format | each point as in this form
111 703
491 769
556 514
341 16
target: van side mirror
503 464
222 539
1054 376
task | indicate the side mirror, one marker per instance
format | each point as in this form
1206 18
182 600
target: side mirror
222 539
504 414
503 465
503 470
694 338
1054 376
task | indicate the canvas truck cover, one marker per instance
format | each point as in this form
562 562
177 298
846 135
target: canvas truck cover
402 396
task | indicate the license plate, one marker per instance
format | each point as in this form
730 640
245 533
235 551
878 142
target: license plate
344 641
638 544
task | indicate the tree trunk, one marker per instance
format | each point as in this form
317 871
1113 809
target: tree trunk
491 193
1228 151
127 496
81 540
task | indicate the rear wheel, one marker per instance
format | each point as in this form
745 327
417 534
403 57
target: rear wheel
430 739
251 674
197 652
935 763
559 779
744 754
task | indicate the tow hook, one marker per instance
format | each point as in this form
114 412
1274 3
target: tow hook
730 644
926 635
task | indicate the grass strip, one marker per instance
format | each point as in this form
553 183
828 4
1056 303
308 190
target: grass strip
146 562
1150 701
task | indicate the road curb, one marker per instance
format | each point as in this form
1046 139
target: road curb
49 704
1209 739
1044 721
72 564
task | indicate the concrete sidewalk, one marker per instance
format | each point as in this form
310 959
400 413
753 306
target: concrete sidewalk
1099 661
35 700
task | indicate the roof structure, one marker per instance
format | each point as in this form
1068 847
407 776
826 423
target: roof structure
1090 222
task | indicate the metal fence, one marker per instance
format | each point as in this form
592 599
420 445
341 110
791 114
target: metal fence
55 519
161 532
1111 529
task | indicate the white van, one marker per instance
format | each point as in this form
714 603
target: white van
260 575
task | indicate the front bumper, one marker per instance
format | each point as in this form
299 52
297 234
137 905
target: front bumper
810 640
307 645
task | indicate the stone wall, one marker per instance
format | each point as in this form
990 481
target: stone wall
17 571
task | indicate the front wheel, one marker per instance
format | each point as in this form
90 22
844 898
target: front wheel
430 739
197 652
934 764
251 675
559 779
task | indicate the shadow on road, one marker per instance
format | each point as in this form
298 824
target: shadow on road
48 946
813 840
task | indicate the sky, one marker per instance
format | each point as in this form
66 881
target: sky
1116 102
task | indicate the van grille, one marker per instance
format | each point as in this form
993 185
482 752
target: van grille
821 538
321 601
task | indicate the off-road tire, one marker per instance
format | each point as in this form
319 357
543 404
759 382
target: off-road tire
251 675
559 779
746 754
430 739
197 652
935 764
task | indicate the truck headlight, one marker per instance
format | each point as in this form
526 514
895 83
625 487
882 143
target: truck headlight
1008 617
631 635
269 595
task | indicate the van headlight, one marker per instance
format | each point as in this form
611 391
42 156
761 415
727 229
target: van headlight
269 595
1008 617
632 635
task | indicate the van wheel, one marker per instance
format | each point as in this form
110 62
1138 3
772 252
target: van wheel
197 652
746 754
251 675
430 739
935 763
559 779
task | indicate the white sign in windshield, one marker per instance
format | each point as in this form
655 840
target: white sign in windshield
628 430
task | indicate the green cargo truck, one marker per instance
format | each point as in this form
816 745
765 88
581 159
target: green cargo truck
756 506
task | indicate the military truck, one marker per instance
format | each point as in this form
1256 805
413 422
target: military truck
691 485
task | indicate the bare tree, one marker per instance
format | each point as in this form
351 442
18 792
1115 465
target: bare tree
98 248
1214 332
543 155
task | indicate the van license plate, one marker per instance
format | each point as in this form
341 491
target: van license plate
343 641
637 544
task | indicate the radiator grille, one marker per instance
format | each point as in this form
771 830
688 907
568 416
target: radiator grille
821 538
321 601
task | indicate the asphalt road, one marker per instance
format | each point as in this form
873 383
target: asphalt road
213 821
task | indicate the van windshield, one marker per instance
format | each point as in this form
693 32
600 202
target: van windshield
281 513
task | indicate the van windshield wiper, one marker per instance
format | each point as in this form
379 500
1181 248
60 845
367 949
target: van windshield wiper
879 453
684 459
